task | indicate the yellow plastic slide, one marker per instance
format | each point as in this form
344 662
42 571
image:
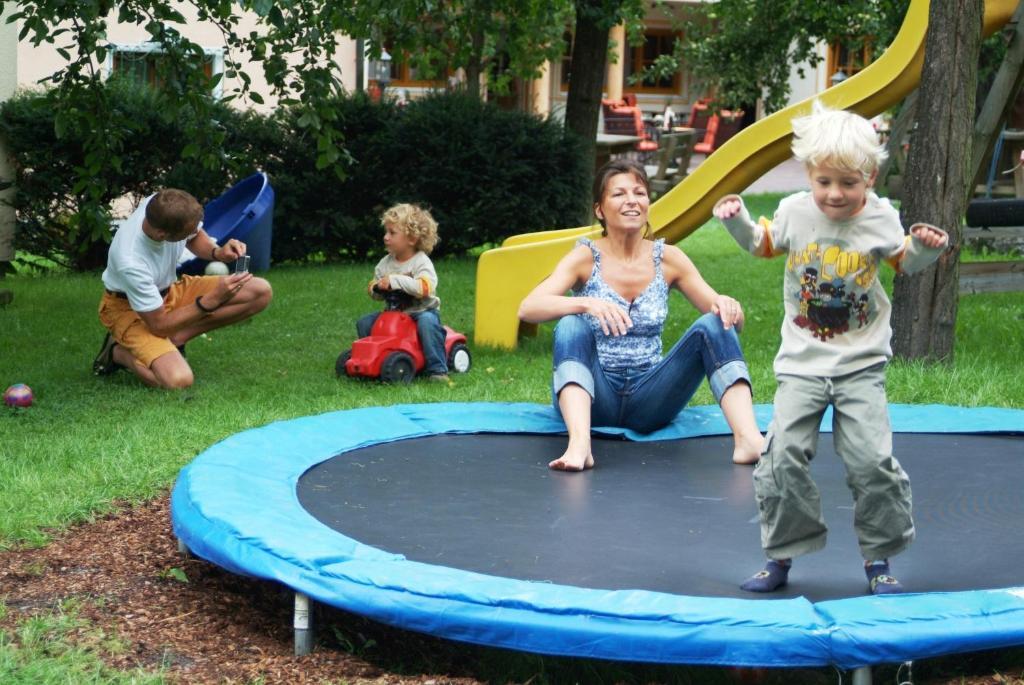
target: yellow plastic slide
506 274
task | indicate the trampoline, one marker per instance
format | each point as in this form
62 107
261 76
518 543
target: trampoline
444 519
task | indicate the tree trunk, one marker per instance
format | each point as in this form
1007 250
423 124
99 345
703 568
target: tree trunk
938 178
475 67
586 81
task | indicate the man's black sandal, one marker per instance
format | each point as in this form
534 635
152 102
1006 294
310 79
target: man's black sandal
104 364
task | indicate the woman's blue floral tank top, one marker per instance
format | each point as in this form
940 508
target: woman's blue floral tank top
640 348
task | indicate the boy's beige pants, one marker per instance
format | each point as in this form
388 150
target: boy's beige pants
787 496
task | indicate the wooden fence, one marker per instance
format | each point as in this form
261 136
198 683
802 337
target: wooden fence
997 220
991 277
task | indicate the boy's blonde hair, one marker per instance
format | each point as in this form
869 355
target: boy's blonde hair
837 138
415 222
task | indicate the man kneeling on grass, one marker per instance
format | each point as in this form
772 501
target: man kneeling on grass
148 313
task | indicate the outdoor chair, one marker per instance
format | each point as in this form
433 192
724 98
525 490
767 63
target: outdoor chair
721 126
627 120
673 161
700 113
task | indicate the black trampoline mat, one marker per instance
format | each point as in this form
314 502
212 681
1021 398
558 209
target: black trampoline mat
674 516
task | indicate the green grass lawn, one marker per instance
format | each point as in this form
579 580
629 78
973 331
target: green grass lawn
89 443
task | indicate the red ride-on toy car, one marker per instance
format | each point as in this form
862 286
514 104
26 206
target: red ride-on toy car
392 351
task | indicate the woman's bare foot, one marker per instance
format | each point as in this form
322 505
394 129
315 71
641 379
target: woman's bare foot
747 450
576 458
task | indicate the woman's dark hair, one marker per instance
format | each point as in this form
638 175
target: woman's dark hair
615 167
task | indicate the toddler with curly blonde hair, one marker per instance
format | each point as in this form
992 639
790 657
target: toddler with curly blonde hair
410 234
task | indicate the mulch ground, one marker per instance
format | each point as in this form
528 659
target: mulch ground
222 628
216 628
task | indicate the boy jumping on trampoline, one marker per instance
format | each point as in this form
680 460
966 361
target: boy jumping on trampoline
835 346
410 234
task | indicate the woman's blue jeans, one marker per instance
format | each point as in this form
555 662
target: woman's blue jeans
431 333
645 399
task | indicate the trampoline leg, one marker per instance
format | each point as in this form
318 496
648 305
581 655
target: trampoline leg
862 676
302 625
183 550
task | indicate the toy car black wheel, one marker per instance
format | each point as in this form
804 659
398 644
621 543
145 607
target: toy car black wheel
459 359
339 366
398 367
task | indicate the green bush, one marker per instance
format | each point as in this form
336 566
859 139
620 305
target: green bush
71 227
316 214
485 173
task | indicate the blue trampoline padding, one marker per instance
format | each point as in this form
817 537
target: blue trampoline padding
236 505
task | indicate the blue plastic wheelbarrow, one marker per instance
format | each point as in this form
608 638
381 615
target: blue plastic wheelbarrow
245 212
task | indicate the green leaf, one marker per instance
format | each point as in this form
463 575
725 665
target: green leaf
262 7
179 575
275 17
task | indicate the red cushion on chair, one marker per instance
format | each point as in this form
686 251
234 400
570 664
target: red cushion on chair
707 146
698 115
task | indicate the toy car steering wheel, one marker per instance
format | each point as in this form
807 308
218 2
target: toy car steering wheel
395 300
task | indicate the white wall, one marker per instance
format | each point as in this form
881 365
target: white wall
35 63
812 83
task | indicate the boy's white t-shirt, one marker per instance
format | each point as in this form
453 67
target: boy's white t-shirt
139 266
836 309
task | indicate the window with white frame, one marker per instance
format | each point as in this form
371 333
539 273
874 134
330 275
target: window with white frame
140 62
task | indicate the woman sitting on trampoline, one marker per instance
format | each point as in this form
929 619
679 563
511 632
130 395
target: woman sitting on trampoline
608 366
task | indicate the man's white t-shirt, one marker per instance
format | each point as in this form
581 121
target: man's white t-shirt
139 266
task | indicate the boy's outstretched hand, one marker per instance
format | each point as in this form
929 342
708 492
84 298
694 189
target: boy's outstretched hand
929 235
728 208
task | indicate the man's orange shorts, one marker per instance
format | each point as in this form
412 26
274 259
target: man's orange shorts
128 328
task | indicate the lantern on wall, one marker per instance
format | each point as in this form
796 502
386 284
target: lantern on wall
380 69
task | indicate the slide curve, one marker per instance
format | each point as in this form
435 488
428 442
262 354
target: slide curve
505 275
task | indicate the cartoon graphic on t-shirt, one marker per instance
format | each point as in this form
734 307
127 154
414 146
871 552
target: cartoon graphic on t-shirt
808 286
828 295
860 306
